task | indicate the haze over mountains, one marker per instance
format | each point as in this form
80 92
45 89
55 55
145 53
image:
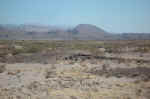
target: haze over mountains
80 32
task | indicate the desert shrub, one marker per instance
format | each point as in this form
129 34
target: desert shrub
142 49
2 68
50 72
73 97
141 73
33 49
17 51
28 49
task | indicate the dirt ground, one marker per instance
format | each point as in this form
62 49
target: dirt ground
93 70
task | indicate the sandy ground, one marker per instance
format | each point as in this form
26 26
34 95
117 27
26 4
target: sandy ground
67 81
67 73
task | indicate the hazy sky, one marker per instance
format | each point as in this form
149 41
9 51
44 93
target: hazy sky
111 15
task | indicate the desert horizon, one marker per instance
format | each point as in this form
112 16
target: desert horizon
74 49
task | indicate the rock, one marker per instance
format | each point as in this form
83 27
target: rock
18 47
102 49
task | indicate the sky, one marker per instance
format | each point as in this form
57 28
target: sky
117 16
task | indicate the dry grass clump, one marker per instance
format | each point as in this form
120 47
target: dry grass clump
138 72
144 49
2 68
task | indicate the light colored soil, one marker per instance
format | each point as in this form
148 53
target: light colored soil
67 81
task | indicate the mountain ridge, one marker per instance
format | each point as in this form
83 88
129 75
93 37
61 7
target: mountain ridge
79 32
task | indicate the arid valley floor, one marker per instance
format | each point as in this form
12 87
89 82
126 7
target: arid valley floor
75 69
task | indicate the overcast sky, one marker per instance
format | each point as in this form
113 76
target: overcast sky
111 15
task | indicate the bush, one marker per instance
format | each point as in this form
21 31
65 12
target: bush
2 68
27 49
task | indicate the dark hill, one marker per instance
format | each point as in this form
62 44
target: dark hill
89 32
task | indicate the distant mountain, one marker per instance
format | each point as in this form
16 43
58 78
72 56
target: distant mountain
89 32
134 36
89 29
80 32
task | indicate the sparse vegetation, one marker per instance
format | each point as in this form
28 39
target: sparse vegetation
75 69
2 68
